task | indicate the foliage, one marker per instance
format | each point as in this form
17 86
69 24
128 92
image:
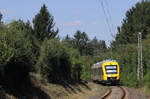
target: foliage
18 40
6 52
137 20
86 46
54 62
128 65
16 59
80 42
128 61
125 44
86 67
1 17
43 24
24 49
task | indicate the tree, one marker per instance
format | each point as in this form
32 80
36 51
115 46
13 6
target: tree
43 24
1 17
137 20
68 40
16 57
95 46
102 46
54 61
80 41
2 26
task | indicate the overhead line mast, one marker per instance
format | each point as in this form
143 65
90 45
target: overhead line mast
140 63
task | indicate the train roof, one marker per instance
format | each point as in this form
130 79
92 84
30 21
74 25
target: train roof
98 64
108 60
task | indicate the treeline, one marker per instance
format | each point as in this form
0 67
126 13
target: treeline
125 47
37 49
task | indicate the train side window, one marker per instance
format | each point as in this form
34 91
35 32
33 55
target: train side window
94 71
100 72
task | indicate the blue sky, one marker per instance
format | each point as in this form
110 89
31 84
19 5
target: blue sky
72 15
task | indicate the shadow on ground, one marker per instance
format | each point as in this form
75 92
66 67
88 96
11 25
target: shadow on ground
107 84
17 82
25 91
68 85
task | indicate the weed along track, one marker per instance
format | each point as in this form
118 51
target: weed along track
115 92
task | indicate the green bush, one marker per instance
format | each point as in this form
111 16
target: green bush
54 61
16 59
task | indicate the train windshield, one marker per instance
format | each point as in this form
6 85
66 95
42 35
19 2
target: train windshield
111 69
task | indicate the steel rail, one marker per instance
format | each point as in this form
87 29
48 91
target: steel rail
109 92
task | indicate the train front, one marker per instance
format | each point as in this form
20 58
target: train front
111 72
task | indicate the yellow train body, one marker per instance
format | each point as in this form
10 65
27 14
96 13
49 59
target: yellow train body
106 71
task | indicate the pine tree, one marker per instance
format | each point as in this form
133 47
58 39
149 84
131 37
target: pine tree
68 40
95 46
102 46
1 17
137 20
80 41
43 24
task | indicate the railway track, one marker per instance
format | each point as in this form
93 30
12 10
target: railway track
115 92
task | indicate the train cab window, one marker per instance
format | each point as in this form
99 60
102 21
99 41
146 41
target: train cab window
111 69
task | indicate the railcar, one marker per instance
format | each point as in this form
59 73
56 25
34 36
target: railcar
106 71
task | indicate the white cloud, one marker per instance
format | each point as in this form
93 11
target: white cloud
72 23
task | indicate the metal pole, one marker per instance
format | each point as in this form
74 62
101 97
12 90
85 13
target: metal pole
111 53
138 68
141 56
140 65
